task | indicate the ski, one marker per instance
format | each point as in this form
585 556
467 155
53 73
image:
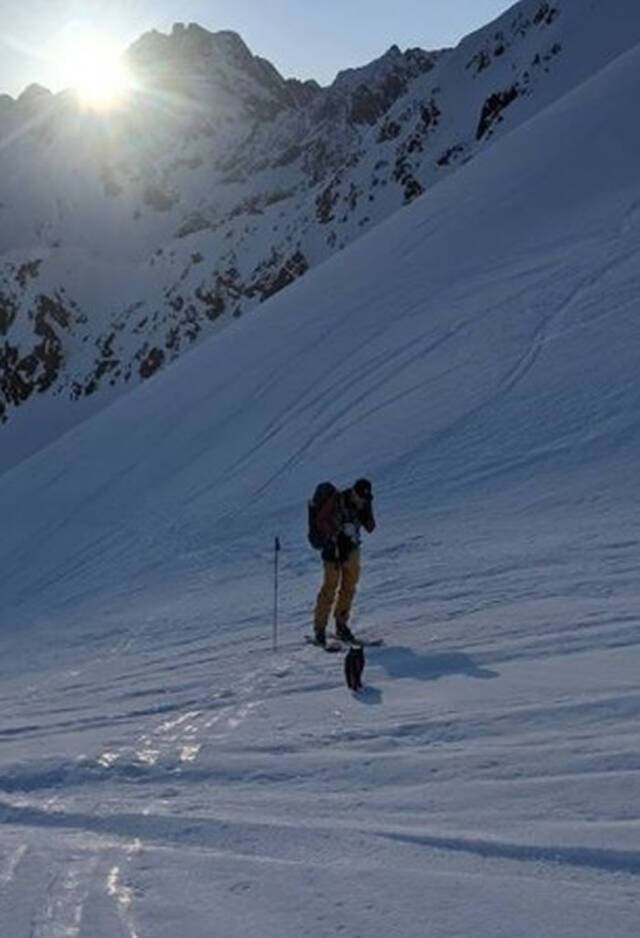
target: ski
331 646
359 641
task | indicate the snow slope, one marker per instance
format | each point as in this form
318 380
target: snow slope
163 772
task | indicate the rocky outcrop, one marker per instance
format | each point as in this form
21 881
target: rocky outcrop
493 108
33 366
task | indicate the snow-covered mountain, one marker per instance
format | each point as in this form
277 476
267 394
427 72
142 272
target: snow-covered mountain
126 238
163 772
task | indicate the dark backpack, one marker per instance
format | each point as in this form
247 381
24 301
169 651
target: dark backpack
323 515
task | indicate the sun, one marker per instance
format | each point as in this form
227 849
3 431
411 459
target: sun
92 65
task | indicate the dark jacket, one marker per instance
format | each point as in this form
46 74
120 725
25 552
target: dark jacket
350 519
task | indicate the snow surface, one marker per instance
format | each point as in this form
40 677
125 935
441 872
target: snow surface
164 773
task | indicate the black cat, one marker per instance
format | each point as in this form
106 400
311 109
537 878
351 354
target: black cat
354 666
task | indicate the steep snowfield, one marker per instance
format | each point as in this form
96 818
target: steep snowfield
162 772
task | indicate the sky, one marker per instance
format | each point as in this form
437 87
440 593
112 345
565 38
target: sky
302 38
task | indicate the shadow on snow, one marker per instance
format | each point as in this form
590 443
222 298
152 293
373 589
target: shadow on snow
399 661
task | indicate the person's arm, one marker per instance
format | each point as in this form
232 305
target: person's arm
367 519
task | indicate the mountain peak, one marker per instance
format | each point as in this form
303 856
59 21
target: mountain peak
34 96
194 60
189 44
34 92
195 38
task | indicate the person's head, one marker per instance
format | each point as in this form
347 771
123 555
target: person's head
362 492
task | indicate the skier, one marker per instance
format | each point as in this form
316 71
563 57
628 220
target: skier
350 511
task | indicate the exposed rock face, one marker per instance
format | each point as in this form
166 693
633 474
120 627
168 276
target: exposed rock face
493 107
127 237
36 366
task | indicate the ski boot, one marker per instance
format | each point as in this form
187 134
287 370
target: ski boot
344 634
320 637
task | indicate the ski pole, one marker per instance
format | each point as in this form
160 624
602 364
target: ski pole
275 594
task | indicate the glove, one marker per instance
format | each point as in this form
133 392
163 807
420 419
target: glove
349 531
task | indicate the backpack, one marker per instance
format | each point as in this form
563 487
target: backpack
323 519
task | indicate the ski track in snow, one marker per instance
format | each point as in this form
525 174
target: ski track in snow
66 892
8 870
75 892
47 892
120 889
317 410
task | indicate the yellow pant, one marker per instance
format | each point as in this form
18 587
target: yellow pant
340 578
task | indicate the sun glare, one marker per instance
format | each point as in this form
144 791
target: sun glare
92 66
